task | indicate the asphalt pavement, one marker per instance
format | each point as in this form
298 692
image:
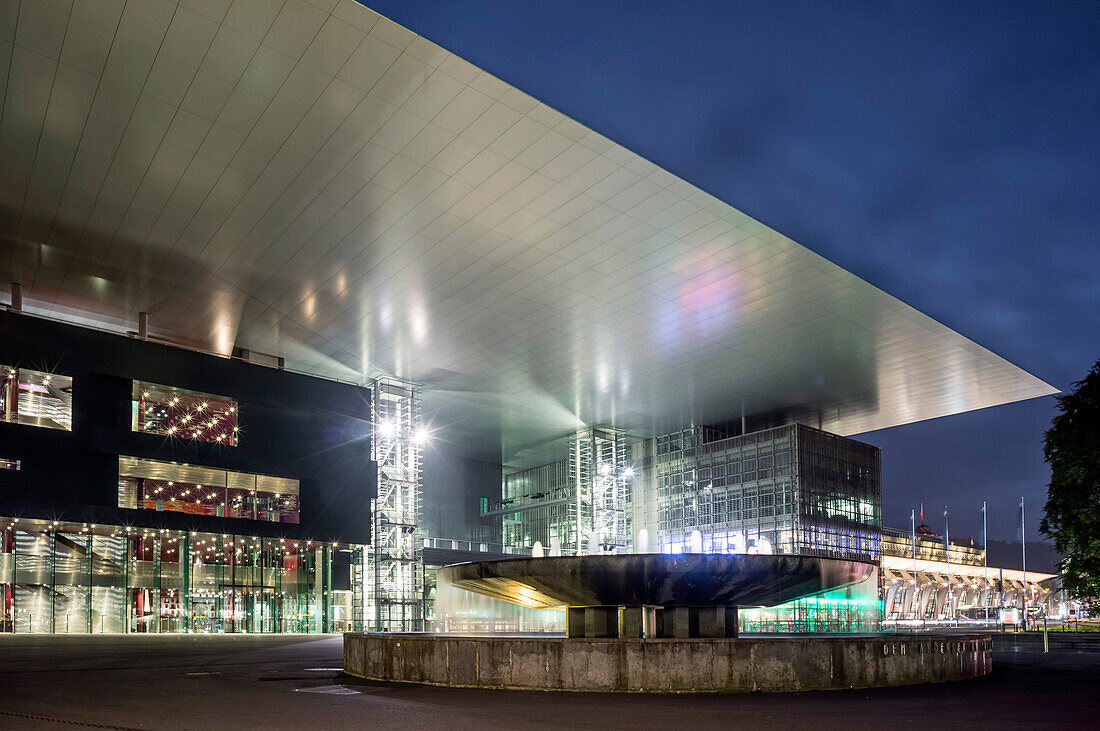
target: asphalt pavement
277 682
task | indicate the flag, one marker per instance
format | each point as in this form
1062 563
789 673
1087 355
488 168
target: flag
946 531
1020 521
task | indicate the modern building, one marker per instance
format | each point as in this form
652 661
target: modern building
948 583
789 489
155 489
434 317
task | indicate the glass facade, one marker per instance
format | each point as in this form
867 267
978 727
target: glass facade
146 484
851 609
177 412
393 570
725 496
839 496
36 398
580 504
454 610
542 507
79 578
138 570
791 489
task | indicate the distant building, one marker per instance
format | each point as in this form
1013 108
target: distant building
944 583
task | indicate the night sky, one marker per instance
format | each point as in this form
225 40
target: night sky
948 153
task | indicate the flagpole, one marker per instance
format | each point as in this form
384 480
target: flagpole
1023 556
913 536
985 563
947 550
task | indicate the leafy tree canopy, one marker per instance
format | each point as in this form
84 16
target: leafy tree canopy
1072 513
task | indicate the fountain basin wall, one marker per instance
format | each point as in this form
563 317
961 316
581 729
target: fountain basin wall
772 664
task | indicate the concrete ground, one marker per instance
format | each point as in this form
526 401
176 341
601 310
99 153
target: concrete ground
201 682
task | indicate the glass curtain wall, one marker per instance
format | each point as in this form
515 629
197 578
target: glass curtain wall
738 493
36 398
788 490
65 577
458 611
545 508
850 609
147 484
840 496
177 412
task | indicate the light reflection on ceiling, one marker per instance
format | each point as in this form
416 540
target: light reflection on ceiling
313 181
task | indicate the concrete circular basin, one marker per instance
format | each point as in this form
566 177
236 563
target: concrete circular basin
652 579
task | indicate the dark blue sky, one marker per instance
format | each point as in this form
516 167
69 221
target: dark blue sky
948 153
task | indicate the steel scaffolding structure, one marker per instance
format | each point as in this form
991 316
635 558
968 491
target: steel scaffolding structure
600 470
394 572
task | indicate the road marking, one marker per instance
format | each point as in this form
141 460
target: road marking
324 670
329 690
194 674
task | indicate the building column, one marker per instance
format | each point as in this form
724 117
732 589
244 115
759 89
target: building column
711 621
186 570
574 621
632 622
601 621
662 622
731 623
649 622
888 604
926 593
683 619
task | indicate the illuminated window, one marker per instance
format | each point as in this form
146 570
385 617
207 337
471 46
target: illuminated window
36 398
146 484
9 464
176 412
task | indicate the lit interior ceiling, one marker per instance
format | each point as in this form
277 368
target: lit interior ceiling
311 180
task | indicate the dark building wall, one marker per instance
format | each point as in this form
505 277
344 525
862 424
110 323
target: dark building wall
295 426
839 495
453 486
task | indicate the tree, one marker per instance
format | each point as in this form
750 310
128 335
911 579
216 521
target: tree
1072 513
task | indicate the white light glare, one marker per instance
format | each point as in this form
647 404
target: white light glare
421 436
628 472
387 428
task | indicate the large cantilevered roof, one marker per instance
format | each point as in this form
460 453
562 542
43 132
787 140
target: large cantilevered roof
311 180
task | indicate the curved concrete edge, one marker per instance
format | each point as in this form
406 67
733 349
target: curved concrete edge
656 579
769 664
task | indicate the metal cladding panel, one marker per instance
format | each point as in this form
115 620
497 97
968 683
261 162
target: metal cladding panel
157 470
327 187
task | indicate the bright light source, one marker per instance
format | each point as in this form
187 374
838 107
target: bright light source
387 428
421 436
628 472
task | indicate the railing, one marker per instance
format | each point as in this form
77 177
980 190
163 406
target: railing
182 346
449 544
